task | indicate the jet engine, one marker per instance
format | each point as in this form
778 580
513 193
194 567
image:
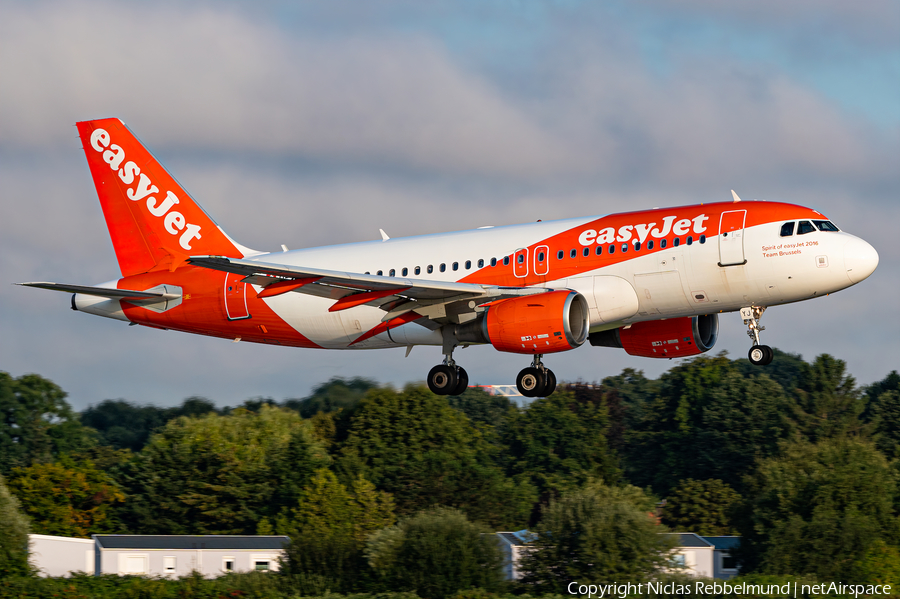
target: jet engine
672 338
544 323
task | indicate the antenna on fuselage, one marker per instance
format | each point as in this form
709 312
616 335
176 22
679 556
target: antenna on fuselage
384 236
735 196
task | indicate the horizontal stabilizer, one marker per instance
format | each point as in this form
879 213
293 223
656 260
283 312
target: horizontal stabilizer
121 294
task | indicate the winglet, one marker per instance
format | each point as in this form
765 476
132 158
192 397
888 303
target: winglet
384 236
735 196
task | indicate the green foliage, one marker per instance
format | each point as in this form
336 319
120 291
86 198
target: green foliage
702 506
483 408
67 498
37 423
785 369
14 531
123 425
560 442
597 534
633 391
883 410
828 405
707 421
219 474
329 526
819 509
436 553
337 394
414 446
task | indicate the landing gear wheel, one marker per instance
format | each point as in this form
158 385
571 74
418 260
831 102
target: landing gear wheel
462 382
530 382
550 384
760 355
442 379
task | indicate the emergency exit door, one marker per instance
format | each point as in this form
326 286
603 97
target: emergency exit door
235 294
731 238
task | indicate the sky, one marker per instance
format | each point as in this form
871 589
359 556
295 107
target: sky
313 123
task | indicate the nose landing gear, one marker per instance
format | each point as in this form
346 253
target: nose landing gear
537 380
759 355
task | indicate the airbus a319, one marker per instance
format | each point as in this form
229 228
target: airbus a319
651 282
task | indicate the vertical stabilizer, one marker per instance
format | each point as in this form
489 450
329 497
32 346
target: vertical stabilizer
152 221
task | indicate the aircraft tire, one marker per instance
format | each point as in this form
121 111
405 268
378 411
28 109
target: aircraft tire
442 379
462 382
549 385
530 382
760 355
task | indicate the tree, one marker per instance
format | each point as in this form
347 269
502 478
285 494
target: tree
337 394
329 526
828 404
413 445
701 506
819 509
219 474
883 411
67 498
560 442
785 369
436 553
597 534
482 408
14 531
37 422
707 421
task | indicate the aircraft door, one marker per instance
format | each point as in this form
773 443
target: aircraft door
541 260
235 294
731 238
520 264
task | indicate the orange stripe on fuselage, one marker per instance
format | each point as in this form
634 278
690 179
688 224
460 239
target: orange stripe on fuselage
758 213
202 309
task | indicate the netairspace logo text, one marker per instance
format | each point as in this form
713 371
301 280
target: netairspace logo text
791 589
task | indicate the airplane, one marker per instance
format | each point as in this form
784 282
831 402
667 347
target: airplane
651 282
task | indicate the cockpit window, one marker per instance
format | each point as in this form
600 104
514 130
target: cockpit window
805 227
787 229
825 225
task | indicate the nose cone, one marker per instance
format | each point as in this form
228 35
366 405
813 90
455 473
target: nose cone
860 259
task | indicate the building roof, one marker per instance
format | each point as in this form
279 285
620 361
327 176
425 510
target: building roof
725 542
690 539
519 537
220 542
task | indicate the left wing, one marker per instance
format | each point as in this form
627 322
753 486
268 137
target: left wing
395 295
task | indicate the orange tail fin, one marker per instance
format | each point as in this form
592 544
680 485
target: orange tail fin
152 221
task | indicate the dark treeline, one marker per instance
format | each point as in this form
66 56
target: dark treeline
374 485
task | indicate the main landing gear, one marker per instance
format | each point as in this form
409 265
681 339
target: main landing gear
759 355
537 380
448 378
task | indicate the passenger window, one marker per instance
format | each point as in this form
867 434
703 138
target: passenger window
586 252
703 239
505 260
404 272
368 273
690 240
787 229
637 246
443 267
624 247
418 270
430 269
662 244
392 273
468 264
805 227
541 256
456 266
650 245
825 225
573 252
677 242
493 262
481 263
559 255
520 258
612 249
379 273
599 250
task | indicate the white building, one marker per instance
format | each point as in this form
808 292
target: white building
709 557
514 545
156 555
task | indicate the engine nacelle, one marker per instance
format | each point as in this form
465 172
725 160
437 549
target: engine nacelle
672 338
544 323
